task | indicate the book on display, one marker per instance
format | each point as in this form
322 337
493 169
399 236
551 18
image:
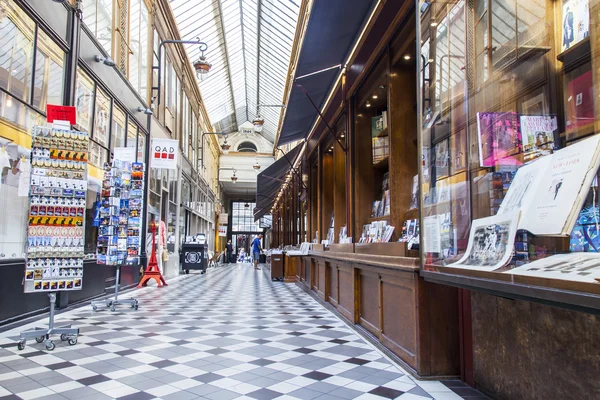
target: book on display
551 191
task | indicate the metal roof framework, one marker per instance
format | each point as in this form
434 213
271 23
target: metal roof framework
249 45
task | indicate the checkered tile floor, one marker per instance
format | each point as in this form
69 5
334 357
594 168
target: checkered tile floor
229 334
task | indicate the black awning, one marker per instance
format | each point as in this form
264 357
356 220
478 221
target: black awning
270 181
332 30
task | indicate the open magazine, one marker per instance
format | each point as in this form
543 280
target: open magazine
551 190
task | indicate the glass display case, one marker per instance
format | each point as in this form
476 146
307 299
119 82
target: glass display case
509 157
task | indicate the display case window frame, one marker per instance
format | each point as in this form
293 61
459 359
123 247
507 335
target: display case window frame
541 91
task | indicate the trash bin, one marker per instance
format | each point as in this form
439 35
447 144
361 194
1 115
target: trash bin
194 256
277 266
262 259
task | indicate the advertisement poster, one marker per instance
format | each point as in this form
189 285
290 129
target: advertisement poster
124 154
164 154
491 243
575 23
499 138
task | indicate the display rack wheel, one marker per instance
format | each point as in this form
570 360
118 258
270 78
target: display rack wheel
135 307
73 341
50 345
40 339
21 345
110 303
112 308
64 337
94 308
187 271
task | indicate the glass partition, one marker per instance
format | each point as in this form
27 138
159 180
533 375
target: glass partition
509 156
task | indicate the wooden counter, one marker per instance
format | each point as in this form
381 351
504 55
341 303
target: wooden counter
416 320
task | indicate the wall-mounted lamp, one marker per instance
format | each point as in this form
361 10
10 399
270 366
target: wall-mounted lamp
225 146
147 111
234 178
202 66
105 60
256 165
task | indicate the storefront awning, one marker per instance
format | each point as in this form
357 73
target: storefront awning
332 30
270 181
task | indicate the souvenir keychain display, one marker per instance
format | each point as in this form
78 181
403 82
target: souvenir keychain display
55 239
120 222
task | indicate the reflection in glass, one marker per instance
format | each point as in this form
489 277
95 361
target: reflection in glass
102 118
16 51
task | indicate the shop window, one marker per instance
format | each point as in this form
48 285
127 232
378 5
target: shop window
141 146
98 17
185 125
49 73
16 54
102 118
247 147
131 134
171 227
514 94
173 183
118 128
18 74
84 101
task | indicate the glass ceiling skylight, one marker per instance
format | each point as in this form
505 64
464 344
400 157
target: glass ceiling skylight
249 46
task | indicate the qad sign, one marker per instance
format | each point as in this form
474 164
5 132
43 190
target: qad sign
164 154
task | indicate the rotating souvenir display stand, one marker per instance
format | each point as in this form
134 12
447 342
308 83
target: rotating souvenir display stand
120 223
55 236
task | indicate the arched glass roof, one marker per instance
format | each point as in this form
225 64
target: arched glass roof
249 46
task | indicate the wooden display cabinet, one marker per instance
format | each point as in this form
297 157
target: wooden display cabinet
390 90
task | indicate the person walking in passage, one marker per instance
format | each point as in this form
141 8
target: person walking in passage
256 249
229 248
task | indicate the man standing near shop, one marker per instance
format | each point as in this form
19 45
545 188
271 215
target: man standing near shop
256 249
229 248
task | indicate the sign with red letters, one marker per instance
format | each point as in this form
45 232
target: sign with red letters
164 153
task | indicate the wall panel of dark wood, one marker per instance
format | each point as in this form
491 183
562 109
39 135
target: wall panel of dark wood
520 347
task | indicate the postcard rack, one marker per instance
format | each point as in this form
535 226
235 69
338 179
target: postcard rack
120 223
55 233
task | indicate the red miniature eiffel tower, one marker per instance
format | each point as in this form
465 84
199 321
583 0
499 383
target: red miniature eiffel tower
152 271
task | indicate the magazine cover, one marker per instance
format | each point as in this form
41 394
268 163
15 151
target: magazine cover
499 138
576 22
491 243
537 134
